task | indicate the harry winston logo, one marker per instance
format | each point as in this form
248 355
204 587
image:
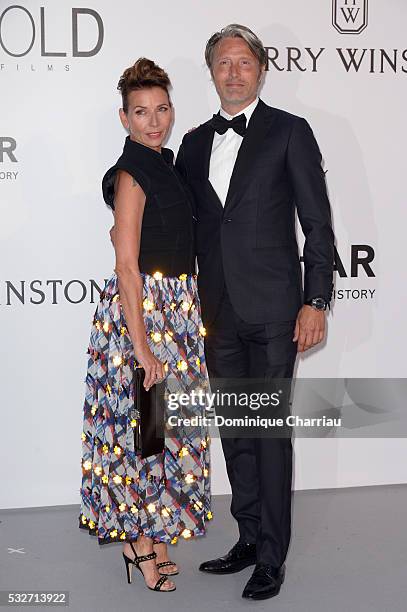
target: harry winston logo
349 16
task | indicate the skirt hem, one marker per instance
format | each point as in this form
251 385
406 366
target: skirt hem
167 539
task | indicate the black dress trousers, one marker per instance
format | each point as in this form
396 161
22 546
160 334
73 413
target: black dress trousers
259 469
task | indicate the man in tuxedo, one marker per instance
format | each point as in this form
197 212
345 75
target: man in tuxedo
250 168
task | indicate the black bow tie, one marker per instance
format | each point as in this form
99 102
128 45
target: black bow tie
221 125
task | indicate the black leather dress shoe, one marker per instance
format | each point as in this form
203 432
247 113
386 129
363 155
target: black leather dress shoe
240 556
265 582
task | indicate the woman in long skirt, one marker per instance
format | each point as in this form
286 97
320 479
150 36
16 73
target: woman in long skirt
148 316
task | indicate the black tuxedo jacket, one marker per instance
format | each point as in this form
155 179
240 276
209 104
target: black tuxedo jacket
250 244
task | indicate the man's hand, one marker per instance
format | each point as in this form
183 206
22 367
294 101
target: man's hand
309 327
112 234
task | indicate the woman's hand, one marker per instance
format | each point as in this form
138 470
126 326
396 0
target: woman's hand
153 367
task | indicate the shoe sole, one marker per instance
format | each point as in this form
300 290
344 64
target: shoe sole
260 597
229 571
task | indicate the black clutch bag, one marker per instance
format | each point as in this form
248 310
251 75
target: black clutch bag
149 431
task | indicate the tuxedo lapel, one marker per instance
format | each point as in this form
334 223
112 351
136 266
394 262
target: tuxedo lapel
259 123
202 152
202 157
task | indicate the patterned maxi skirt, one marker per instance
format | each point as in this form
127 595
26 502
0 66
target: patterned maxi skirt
166 495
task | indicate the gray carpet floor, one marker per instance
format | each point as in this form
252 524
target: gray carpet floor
348 553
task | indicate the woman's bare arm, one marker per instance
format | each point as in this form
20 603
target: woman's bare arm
129 208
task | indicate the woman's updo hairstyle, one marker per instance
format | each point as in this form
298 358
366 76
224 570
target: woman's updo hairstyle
143 74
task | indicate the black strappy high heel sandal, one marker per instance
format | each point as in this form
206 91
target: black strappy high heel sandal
139 559
165 564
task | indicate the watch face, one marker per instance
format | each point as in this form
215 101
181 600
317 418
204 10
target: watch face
319 303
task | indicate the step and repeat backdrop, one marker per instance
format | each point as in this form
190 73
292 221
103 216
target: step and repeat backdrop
341 64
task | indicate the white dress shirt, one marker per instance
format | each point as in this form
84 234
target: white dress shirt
225 148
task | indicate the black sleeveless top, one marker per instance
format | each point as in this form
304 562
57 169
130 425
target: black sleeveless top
167 231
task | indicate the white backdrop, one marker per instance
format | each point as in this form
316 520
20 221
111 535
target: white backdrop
60 131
